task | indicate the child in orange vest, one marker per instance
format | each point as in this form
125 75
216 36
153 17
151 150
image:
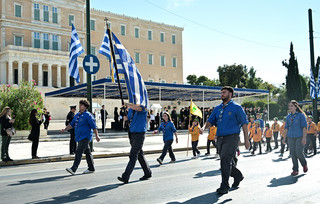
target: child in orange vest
268 136
257 136
211 139
194 130
281 133
275 129
311 135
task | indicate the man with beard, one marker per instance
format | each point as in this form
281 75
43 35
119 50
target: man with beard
228 117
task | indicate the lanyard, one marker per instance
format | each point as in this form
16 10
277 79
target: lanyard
292 117
221 111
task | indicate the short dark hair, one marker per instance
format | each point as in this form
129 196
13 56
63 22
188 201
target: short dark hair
85 103
229 88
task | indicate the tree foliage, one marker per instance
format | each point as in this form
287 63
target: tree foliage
233 75
21 100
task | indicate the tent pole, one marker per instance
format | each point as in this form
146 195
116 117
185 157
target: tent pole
104 112
268 106
203 107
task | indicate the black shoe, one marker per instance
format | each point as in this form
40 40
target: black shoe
222 191
237 182
9 159
5 160
145 177
122 180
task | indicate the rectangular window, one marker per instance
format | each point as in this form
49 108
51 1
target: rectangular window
123 30
71 20
17 40
137 32
54 42
37 12
150 59
174 62
92 24
93 50
137 57
17 10
161 37
162 61
45 13
149 34
54 15
173 39
45 41
36 40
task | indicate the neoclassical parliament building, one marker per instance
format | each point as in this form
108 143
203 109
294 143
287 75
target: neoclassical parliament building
36 34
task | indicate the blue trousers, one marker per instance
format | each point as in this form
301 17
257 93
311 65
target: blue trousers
83 147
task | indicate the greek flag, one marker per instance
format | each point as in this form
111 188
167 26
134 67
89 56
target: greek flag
75 51
136 88
318 84
105 46
313 92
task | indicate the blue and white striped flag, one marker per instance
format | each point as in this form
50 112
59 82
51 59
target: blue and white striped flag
75 51
313 92
318 84
105 50
135 85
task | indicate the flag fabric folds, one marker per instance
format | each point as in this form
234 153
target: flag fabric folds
75 51
135 85
194 110
313 92
106 51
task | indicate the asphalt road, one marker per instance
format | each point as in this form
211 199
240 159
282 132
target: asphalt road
267 180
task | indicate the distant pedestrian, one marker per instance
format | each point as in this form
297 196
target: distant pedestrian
73 143
228 117
35 132
257 136
84 125
211 140
152 120
104 116
311 136
296 131
194 130
284 141
250 127
47 118
168 129
137 115
268 136
275 127
5 122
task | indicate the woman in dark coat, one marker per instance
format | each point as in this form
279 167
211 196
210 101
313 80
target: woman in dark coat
35 132
6 122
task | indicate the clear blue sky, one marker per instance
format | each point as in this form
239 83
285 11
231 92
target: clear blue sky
254 33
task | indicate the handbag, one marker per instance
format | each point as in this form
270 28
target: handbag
10 131
30 137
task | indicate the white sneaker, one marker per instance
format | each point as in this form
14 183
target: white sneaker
88 172
172 161
70 171
216 155
198 155
194 157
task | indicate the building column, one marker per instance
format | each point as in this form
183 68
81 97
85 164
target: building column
67 77
84 75
3 72
58 75
19 72
29 71
40 74
10 73
49 75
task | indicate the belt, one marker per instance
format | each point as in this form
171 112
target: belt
236 134
137 132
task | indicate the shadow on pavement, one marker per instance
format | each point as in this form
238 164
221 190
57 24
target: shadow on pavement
207 198
288 180
42 180
207 174
78 195
164 164
280 159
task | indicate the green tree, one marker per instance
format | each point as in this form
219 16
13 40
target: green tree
21 100
304 87
253 82
293 80
233 75
192 79
202 80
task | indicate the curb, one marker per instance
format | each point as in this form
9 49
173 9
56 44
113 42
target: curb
71 158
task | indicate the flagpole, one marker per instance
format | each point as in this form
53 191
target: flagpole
114 59
189 125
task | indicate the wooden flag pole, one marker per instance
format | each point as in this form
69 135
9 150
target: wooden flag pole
114 59
188 126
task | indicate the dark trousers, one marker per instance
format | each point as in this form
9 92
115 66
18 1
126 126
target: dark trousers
167 148
46 125
83 147
283 145
152 124
268 144
275 138
195 147
103 121
227 146
73 143
136 153
296 151
255 144
208 146
311 138
250 142
34 147
5 147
